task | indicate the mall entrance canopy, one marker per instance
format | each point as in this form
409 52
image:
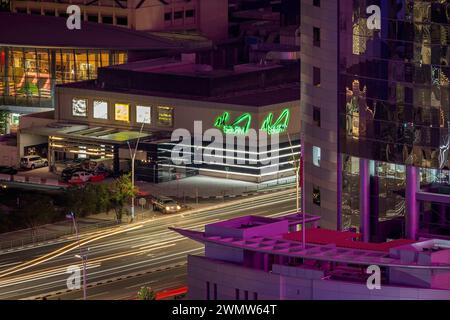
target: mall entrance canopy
86 141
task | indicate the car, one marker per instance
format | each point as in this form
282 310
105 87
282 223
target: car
33 162
80 177
165 205
67 173
8 170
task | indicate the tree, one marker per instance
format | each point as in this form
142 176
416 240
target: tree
88 199
35 210
121 191
146 293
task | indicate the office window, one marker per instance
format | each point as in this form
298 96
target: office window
316 3
122 112
79 107
92 18
143 114
190 13
122 21
316 116
215 291
316 195
165 116
316 37
255 295
316 77
316 156
100 109
168 16
178 15
208 297
237 294
246 295
107 19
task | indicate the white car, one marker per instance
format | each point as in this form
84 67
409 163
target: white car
32 162
80 177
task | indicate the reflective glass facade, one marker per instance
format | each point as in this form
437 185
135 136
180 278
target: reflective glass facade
394 99
394 92
28 75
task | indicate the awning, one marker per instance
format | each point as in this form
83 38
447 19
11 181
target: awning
101 135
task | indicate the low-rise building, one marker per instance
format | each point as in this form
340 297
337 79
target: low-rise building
172 103
260 258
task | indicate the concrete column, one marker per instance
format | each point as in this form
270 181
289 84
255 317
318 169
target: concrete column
266 262
412 205
364 198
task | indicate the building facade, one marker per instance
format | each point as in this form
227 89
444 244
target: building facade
375 101
261 258
31 66
209 18
239 124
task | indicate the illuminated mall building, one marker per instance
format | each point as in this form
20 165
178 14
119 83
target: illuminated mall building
160 101
375 102
33 60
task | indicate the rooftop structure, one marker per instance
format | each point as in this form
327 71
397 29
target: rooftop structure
270 250
205 17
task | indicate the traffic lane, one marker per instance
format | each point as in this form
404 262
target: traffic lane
56 279
186 221
139 232
128 288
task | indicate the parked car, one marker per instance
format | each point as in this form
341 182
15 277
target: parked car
32 162
165 204
8 170
80 177
67 173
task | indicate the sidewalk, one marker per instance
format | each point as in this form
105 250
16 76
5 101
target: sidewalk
203 187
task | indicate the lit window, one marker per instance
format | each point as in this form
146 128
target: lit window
143 114
316 156
165 116
316 195
79 107
122 112
100 109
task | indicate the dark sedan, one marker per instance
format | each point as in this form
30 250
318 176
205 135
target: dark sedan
7 170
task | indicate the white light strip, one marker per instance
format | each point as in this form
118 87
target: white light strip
238 151
230 172
233 165
237 158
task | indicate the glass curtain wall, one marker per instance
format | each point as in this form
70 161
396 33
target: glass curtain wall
28 75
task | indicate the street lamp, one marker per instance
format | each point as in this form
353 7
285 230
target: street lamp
133 158
81 255
84 258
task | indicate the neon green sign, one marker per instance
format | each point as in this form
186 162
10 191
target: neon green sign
279 126
242 124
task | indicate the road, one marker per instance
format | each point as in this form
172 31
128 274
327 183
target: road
125 258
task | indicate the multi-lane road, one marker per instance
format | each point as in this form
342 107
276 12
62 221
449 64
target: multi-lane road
125 258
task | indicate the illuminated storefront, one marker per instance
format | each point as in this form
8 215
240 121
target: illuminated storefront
28 75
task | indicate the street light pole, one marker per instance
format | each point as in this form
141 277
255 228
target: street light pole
133 157
83 258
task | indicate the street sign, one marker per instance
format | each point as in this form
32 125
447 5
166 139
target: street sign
142 201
